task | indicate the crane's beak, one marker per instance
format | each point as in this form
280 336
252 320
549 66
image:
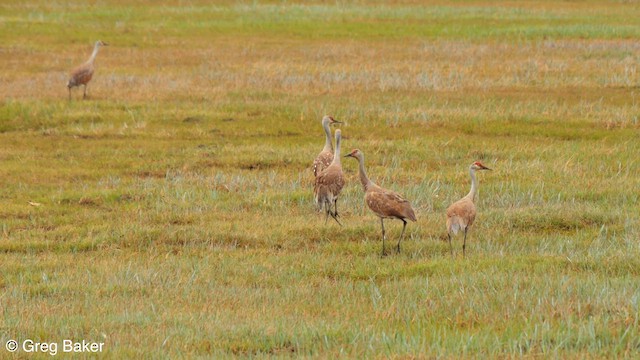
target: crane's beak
104 44
486 168
336 122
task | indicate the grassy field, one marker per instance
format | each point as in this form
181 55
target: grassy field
176 216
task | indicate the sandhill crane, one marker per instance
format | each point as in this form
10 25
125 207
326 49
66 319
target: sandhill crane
83 73
386 204
329 183
462 213
323 160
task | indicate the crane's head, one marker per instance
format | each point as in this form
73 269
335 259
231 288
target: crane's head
101 43
479 166
328 119
355 153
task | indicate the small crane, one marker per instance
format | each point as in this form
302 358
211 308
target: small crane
462 213
83 73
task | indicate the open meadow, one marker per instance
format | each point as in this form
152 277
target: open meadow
171 214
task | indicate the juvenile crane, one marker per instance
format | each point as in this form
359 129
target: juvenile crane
83 73
462 213
386 204
329 183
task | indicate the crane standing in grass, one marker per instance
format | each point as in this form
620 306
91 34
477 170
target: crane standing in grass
386 204
323 160
83 73
329 183
462 213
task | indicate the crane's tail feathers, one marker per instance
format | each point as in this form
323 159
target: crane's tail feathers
455 224
412 216
322 203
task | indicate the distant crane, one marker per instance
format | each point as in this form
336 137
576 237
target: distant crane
323 160
386 204
83 73
462 213
329 183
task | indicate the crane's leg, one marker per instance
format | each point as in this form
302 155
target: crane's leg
68 87
464 243
450 246
382 224
84 96
335 207
329 212
336 219
404 225
326 208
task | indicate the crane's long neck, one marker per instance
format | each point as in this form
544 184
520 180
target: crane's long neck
366 183
474 185
94 54
336 154
327 142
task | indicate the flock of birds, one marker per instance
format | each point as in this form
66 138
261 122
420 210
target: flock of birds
384 203
329 179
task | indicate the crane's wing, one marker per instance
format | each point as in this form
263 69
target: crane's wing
460 215
328 184
322 161
81 75
387 203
